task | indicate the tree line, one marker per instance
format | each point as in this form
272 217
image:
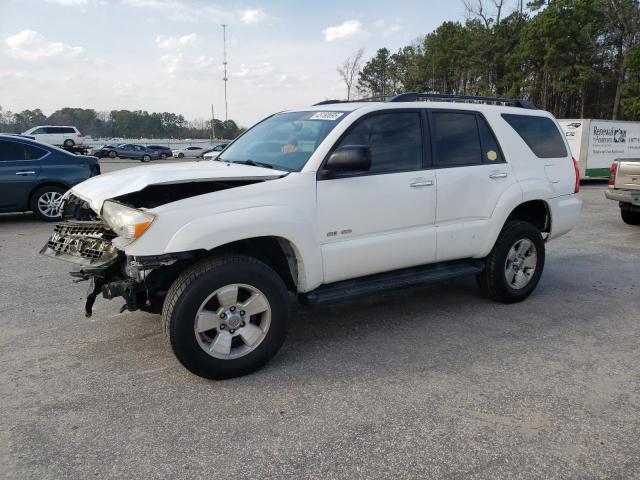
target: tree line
119 123
575 58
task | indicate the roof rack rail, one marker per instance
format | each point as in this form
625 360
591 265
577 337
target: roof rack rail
384 98
446 97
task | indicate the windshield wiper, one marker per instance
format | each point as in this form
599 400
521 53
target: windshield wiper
252 163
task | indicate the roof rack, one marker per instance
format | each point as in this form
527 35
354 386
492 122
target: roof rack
445 97
367 99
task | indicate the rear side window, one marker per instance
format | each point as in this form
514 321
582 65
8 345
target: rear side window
540 133
456 139
395 140
13 151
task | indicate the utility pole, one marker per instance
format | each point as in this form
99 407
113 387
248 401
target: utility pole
213 125
224 63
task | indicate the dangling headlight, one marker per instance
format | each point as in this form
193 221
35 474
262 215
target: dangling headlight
127 223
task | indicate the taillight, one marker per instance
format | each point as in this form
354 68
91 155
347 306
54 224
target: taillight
612 173
575 168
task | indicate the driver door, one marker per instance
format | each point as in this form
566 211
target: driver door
383 219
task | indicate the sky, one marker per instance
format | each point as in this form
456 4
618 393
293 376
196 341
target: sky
166 55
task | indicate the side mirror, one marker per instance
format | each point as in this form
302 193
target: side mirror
350 158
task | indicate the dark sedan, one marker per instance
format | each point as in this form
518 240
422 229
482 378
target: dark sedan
165 152
34 175
128 150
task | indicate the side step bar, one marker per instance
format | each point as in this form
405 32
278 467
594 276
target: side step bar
406 277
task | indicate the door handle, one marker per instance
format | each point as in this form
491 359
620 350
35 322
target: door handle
421 183
498 175
29 172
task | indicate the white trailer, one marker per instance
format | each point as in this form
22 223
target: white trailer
595 144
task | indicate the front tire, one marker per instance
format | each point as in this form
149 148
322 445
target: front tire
515 264
146 158
181 155
112 154
226 316
629 217
45 203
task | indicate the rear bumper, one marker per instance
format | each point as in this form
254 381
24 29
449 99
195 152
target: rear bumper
565 213
624 196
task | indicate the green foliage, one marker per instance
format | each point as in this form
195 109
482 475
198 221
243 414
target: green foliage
119 123
566 56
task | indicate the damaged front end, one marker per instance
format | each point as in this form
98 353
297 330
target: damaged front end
87 241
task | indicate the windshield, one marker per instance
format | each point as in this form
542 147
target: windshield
284 141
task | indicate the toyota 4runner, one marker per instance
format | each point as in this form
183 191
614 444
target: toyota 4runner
326 203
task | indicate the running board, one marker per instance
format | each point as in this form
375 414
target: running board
407 277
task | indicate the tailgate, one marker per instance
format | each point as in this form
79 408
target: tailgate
628 174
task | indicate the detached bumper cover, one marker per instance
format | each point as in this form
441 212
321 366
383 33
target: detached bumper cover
624 196
86 243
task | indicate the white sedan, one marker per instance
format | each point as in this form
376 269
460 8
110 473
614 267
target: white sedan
214 152
188 152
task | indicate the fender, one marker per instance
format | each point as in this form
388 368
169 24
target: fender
275 221
509 200
527 190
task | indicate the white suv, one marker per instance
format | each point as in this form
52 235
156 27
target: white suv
325 203
55 135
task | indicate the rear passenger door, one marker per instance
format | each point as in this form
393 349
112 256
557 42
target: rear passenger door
471 174
19 170
383 219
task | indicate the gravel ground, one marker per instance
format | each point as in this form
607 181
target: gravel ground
433 382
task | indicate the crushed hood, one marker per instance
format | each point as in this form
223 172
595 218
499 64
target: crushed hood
115 184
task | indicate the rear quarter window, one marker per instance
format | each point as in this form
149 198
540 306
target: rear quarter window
540 134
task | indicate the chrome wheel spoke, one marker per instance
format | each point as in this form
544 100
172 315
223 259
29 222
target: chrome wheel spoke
513 254
524 246
257 303
510 273
531 261
228 296
221 345
207 320
250 334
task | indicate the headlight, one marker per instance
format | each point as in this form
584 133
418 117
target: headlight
126 222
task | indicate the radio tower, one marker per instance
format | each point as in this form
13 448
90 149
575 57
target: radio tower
224 63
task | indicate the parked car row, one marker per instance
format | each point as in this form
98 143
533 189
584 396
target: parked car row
157 152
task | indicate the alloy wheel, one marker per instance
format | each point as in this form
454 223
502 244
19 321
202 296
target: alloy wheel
232 321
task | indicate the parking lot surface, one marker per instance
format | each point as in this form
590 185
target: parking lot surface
433 382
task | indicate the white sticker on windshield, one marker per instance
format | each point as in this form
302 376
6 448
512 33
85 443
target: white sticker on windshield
326 116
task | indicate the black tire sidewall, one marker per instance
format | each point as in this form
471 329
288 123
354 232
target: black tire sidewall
33 204
629 217
181 155
181 323
146 158
112 154
68 143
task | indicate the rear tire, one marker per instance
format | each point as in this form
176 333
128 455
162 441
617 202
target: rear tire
163 156
515 264
45 202
112 154
146 158
181 155
69 143
629 217
203 325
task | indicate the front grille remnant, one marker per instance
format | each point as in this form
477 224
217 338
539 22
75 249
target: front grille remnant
88 243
